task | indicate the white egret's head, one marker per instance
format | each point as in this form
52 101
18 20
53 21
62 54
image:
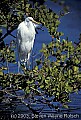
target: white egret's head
28 19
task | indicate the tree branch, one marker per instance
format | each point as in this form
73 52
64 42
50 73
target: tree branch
8 33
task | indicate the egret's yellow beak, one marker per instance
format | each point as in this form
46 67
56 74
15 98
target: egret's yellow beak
36 22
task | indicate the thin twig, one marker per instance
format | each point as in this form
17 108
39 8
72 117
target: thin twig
9 32
12 35
21 98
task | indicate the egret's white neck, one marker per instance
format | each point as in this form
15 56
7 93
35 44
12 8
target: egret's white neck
27 23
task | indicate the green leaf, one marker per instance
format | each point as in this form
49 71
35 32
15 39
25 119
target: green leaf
47 82
27 5
61 33
79 76
57 22
0 30
36 68
61 2
65 106
38 62
27 90
75 68
30 82
56 16
44 46
1 73
42 86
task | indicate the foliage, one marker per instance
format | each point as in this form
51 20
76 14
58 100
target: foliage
57 74
57 77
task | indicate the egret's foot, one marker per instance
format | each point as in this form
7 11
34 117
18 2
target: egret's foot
19 68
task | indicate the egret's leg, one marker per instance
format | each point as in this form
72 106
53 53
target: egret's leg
28 64
7 64
25 63
18 63
18 66
28 61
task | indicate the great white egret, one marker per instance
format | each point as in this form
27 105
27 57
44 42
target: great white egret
25 40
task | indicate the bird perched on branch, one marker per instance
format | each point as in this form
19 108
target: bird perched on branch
25 40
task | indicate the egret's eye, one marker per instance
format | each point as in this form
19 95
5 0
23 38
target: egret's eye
30 19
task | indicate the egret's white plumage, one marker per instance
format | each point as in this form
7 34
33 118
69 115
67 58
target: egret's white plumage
25 39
